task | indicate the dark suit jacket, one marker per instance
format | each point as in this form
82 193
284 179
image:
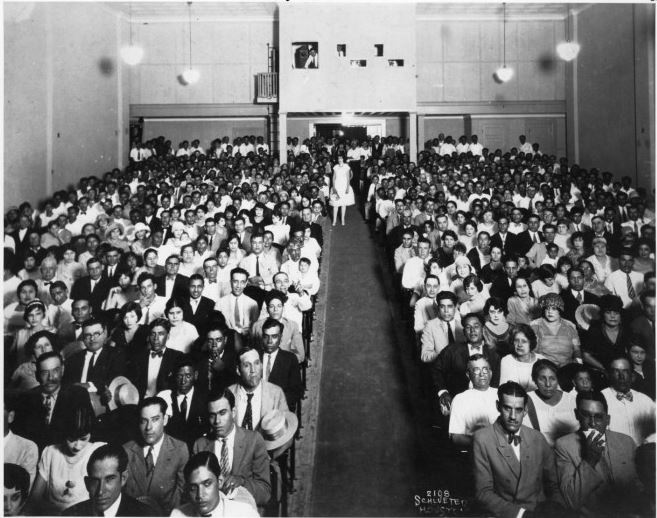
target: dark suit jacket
449 369
509 243
154 224
524 242
128 507
473 255
395 236
250 461
570 303
285 373
224 371
114 279
138 371
82 290
196 423
202 315
316 232
21 245
501 486
500 288
180 286
165 485
109 364
30 422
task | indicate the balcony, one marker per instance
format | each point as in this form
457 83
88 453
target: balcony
267 88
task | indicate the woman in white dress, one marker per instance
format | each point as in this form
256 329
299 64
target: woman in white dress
518 365
182 334
342 195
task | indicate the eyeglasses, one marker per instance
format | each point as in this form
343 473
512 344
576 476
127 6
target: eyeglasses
480 370
89 336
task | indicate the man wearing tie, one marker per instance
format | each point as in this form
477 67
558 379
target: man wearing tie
112 269
93 288
156 461
70 333
443 330
575 296
197 307
514 467
503 238
258 264
239 310
152 305
242 454
254 397
172 284
625 282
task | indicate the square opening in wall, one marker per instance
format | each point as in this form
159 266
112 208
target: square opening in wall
342 50
379 49
305 54
395 62
358 63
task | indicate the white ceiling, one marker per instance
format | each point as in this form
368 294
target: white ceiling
146 11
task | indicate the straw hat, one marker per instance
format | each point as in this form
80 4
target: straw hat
123 393
585 314
114 226
139 227
278 428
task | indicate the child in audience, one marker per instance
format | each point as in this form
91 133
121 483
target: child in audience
545 283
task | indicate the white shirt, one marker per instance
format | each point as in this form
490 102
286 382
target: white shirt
153 370
114 508
616 282
156 449
256 403
635 418
473 409
154 310
230 445
413 273
166 395
88 358
268 359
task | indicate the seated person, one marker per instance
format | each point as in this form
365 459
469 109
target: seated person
595 466
18 450
17 488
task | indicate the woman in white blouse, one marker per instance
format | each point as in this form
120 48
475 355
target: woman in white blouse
517 366
182 334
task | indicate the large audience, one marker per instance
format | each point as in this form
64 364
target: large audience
158 323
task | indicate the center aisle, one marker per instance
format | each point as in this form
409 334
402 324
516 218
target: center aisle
366 456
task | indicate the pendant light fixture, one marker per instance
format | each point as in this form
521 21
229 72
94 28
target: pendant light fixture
132 54
190 75
568 50
504 73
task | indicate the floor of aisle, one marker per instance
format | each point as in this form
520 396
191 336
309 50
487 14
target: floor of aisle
366 454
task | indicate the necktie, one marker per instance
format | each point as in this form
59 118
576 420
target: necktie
237 311
47 408
224 458
535 240
47 283
623 214
620 396
247 422
147 316
630 287
90 367
514 439
183 408
210 242
258 265
268 368
150 465
579 297
450 334
636 227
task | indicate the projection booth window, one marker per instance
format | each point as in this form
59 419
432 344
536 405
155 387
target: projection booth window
305 54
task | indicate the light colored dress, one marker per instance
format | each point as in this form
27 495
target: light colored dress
181 337
521 372
562 347
341 174
554 421
59 471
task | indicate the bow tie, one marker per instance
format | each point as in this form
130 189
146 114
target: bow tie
78 325
157 353
620 396
514 439
45 283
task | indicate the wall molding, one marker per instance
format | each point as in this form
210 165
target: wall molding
492 108
198 111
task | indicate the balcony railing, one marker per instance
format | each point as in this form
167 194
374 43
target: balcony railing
267 87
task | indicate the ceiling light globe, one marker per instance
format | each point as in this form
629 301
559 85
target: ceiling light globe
568 50
191 75
504 73
132 55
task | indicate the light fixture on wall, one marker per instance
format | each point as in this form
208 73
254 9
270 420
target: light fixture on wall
132 54
504 73
190 75
568 50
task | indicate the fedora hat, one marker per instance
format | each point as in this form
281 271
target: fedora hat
278 427
123 393
585 314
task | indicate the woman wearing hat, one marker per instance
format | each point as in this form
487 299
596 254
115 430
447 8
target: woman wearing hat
557 337
601 262
114 235
606 338
102 224
141 240
34 316
179 237
462 268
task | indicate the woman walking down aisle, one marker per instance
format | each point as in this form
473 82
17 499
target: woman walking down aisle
342 195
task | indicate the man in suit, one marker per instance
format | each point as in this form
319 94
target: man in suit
449 371
186 403
514 467
239 310
156 461
503 286
443 330
242 454
70 333
503 238
151 370
575 295
98 364
279 366
172 284
600 230
525 240
218 369
243 233
197 308
112 271
107 475
480 255
595 466
41 412
214 237
257 264
394 238
21 235
93 287
254 397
